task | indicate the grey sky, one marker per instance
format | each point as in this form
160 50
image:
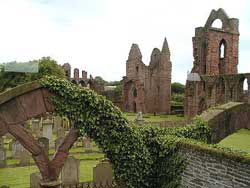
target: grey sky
96 35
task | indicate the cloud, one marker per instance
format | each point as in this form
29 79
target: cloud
96 35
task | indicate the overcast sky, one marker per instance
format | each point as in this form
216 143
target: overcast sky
96 35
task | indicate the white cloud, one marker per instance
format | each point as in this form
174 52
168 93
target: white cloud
96 35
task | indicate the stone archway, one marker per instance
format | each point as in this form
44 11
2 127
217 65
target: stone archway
22 103
92 114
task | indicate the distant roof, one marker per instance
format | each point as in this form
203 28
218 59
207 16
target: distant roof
193 77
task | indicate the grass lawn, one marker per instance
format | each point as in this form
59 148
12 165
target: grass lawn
19 177
152 118
239 140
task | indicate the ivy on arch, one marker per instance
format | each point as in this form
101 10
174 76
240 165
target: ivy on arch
140 157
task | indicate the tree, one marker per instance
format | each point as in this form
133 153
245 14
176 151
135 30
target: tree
47 67
177 88
100 80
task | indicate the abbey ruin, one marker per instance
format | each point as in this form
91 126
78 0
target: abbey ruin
148 88
214 78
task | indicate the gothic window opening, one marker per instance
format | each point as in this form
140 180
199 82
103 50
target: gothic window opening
217 24
137 69
135 93
222 50
134 107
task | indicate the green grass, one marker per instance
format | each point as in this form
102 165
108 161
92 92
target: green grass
239 140
19 177
152 118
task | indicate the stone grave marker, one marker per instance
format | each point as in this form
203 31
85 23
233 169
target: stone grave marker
70 172
58 142
24 158
102 173
87 144
44 142
2 158
35 180
60 133
17 149
47 131
36 127
139 118
57 123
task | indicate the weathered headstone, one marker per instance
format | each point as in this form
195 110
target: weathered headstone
57 124
58 142
60 133
87 144
2 158
47 131
24 158
70 171
17 149
35 180
44 142
36 127
139 118
102 173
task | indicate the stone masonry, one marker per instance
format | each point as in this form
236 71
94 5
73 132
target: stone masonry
83 81
148 88
214 79
207 171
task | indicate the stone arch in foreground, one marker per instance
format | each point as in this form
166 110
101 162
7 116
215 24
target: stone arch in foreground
22 103
227 119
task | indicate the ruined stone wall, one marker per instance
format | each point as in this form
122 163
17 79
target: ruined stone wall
205 170
148 88
215 52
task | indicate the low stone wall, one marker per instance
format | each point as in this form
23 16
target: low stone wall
204 170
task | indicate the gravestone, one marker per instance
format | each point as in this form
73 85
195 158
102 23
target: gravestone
60 133
57 123
24 158
102 173
70 172
44 142
17 149
36 127
139 118
35 180
87 144
2 158
58 142
47 131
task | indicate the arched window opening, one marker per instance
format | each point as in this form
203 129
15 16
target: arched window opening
135 93
134 107
217 24
137 69
222 50
245 86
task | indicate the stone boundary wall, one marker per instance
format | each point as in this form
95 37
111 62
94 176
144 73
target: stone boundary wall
205 170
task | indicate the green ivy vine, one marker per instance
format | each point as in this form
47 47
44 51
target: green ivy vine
141 157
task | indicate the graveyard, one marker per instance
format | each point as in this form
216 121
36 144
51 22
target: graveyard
142 131
18 164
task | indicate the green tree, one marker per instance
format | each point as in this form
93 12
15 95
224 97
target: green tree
100 80
177 88
47 67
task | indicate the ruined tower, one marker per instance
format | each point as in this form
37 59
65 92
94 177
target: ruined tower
215 52
148 88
